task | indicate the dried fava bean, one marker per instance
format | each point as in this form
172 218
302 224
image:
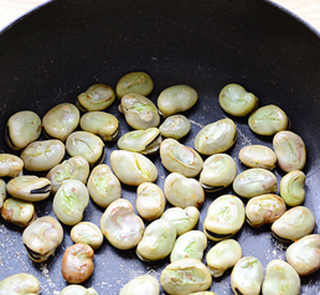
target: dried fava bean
177 157
176 99
247 276
268 120
258 156
264 209
87 233
139 111
189 245
23 128
175 126
61 120
86 144
185 276
224 218
145 284
254 182
292 188
42 237
18 212
43 155
77 263
157 241
294 224
79 290
216 137
236 101
304 254
102 124
132 168
222 256
70 201
3 192
134 82
145 141
121 226
183 219
76 167
290 150
281 278
103 186
181 191
10 165
19 284
218 172
29 188
96 98
151 201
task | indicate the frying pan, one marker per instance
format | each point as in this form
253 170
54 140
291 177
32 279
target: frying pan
56 52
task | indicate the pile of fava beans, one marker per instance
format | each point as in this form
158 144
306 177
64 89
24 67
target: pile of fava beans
72 158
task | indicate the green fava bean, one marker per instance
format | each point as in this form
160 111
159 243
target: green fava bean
3 192
216 137
292 188
20 284
189 245
176 99
134 82
294 224
236 101
70 201
281 278
96 98
10 165
79 290
185 276
157 241
183 219
141 285
254 181
175 126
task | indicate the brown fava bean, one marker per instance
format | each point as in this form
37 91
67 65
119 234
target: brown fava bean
77 263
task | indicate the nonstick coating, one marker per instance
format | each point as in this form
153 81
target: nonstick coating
56 52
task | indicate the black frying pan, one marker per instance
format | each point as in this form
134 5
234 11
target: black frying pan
53 54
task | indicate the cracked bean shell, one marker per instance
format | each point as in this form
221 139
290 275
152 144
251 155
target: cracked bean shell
225 217
247 276
29 188
264 209
96 98
280 278
18 212
61 120
185 276
176 99
183 219
254 182
78 289
218 172
103 186
23 128
10 165
141 285
42 237
290 150
176 157
182 191
70 202
132 168
216 137
292 188
189 245
121 226
175 126
294 224
157 241
304 254
20 284
43 155
222 256
102 124
268 120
